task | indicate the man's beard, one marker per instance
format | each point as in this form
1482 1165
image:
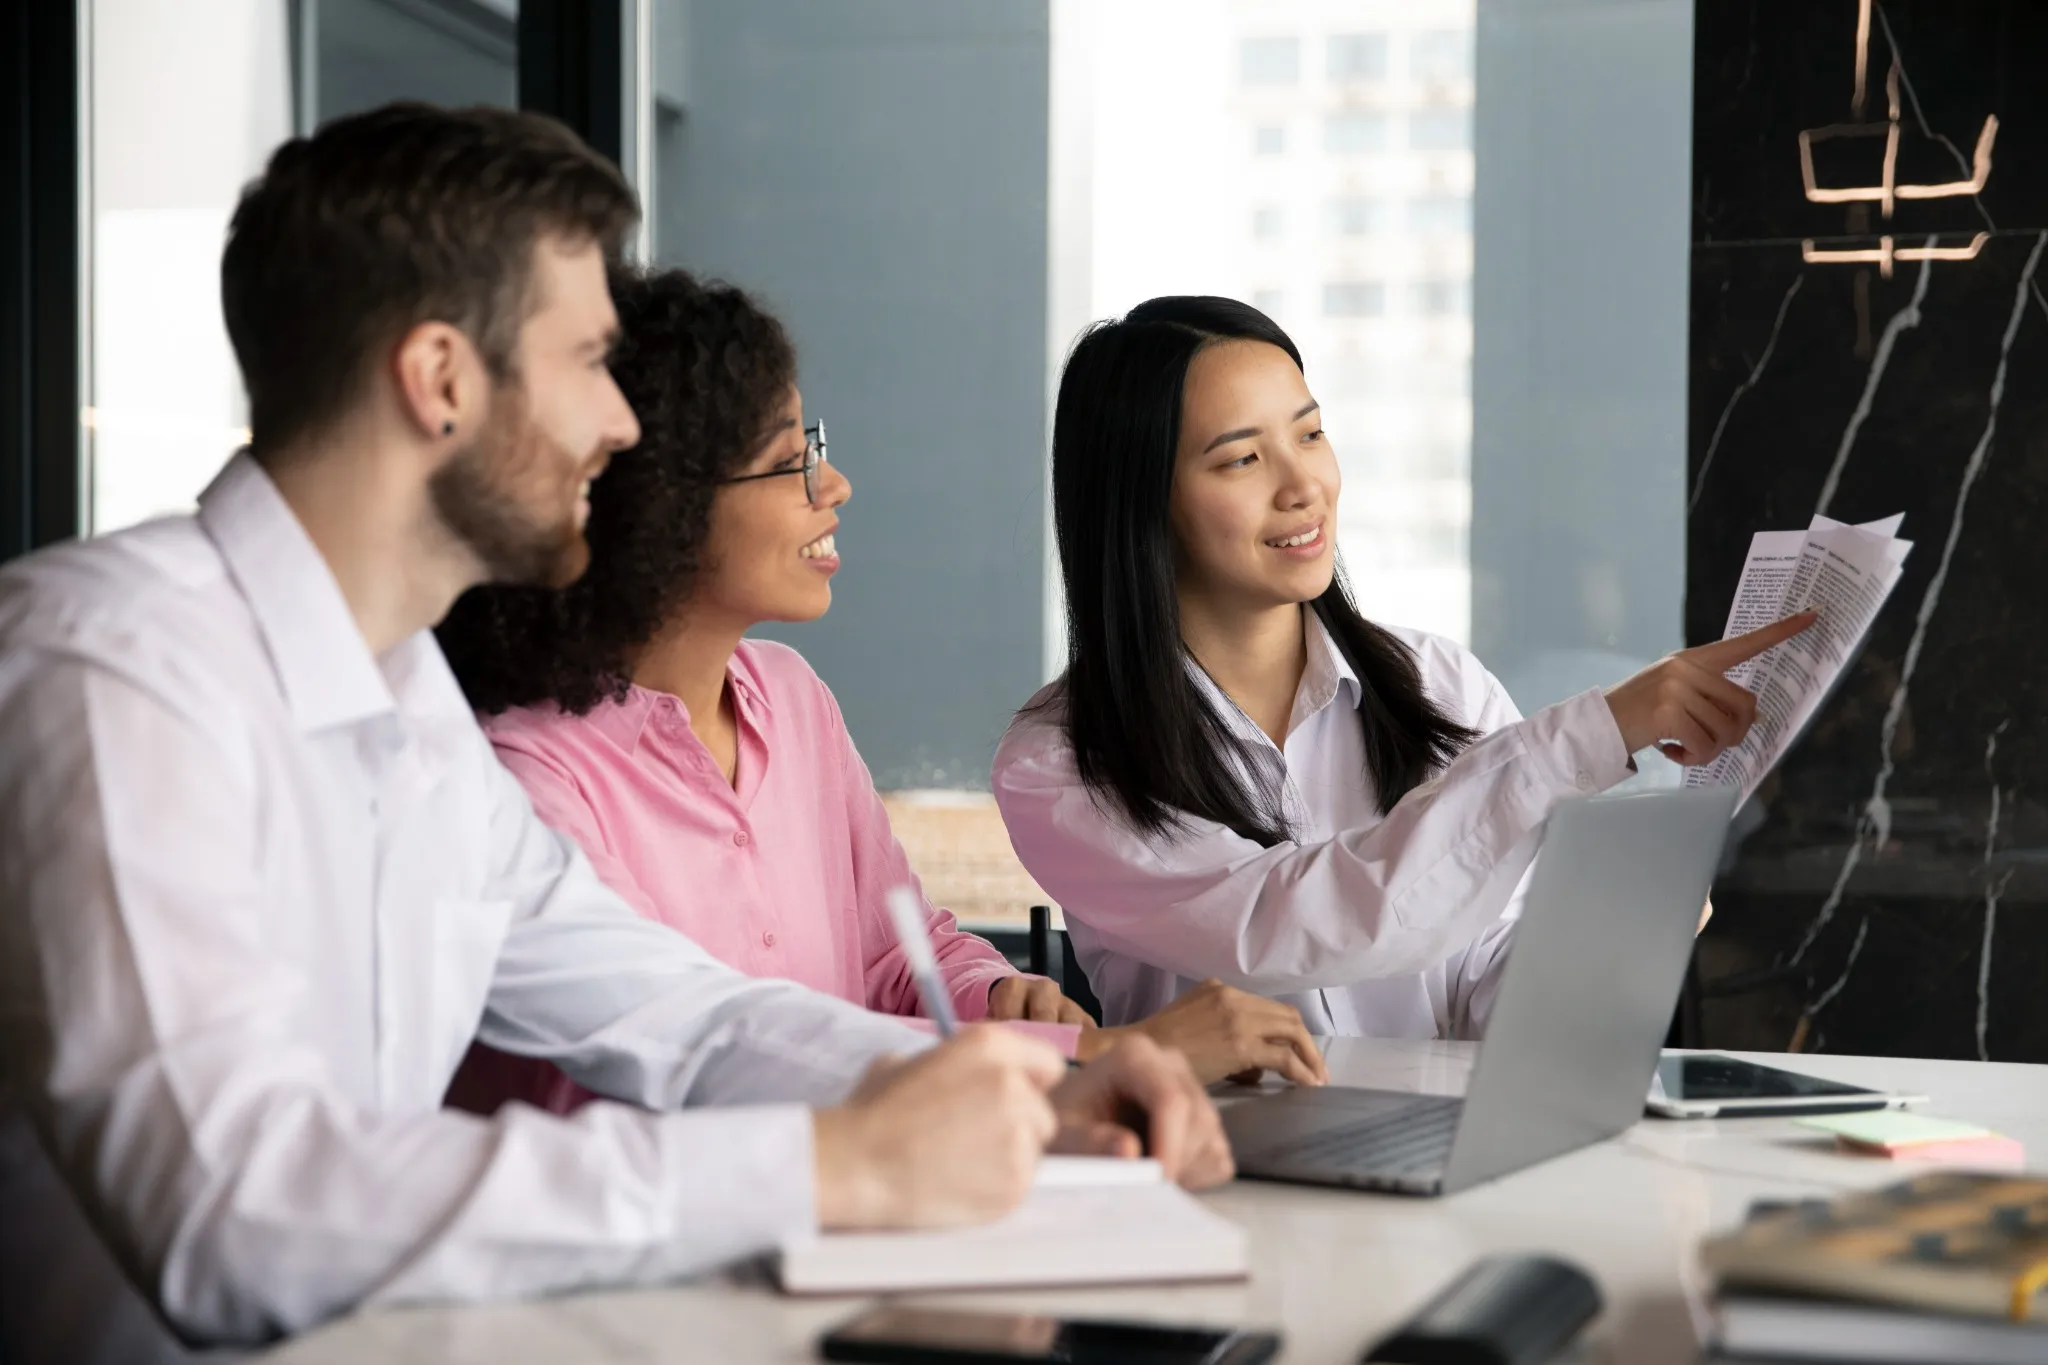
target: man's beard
474 492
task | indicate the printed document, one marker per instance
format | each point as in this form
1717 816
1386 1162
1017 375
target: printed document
1844 573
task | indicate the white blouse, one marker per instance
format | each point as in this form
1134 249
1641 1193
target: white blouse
1370 925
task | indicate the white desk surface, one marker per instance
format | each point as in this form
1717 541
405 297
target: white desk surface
1332 1269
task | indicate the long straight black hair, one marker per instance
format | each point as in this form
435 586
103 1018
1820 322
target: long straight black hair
1142 731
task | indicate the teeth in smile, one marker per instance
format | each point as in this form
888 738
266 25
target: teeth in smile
1305 538
824 547
583 490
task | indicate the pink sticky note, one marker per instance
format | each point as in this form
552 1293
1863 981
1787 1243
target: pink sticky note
1992 1150
1919 1137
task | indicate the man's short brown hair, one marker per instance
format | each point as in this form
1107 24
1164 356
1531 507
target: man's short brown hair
384 220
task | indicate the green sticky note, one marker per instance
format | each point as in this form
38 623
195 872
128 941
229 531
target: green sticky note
1895 1128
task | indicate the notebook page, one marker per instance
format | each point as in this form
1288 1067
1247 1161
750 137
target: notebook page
1061 1234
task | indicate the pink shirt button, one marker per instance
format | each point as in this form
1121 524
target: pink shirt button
739 837
768 940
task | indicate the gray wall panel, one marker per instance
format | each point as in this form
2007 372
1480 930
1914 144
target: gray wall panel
1581 240
877 173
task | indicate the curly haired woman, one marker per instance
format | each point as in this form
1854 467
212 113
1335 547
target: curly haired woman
710 777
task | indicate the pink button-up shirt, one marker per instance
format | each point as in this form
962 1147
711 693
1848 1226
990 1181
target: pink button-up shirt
782 875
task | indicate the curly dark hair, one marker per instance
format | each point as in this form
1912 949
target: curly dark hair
706 369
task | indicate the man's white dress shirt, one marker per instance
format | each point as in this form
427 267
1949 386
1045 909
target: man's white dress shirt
1381 926
258 892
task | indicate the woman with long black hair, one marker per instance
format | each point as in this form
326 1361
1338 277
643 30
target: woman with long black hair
708 775
1238 776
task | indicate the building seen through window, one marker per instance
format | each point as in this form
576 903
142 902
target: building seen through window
1353 299
1350 132
1358 217
1440 130
1270 61
1443 54
1377 293
1357 56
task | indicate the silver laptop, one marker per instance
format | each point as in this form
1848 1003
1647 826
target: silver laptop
1584 1005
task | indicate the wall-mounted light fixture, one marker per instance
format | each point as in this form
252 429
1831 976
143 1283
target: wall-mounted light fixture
1887 191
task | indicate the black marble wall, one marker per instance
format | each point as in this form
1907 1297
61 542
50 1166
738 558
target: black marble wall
1888 890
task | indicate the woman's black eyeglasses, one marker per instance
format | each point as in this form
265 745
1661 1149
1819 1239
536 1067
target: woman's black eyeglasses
814 455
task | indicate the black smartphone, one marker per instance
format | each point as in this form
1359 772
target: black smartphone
892 1335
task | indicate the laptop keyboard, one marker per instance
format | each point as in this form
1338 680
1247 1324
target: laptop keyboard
1412 1140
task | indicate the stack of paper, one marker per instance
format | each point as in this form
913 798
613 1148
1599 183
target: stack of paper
1087 1221
1845 573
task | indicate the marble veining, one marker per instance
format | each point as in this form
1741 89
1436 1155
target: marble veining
1876 826
1728 410
1888 892
1905 318
1994 887
1827 996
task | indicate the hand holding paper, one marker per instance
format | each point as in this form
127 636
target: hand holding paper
1844 573
1687 705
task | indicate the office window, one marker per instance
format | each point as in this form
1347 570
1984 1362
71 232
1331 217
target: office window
172 143
1392 204
1356 217
1354 299
1343 274
1442 379
1440 216
1440 460
1440 130
1441 54
1347 373
1269 61
1268 223
1357 57
1354 131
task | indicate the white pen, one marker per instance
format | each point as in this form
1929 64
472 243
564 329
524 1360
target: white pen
908 918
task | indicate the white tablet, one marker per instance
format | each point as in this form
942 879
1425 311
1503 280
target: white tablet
1702 1085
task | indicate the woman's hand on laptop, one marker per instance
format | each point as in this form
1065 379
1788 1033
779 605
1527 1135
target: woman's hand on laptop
1685 706
1137 1087
1224 1032
949 1137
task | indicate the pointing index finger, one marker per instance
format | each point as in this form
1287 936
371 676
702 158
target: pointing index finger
1723 655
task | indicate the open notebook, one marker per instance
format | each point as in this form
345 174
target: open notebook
1087 1221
